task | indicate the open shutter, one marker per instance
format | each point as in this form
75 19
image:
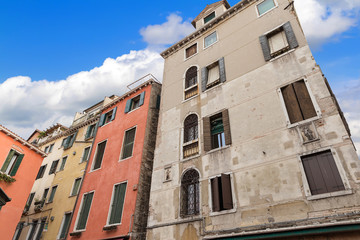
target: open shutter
206 134
291 104
142 98
265 47
67 142
88 131
7 161
222 70
226 191
72 139
113 114
128 105
290 35
226 124
102 120
204 77
303 97
99 155
215 195
17 164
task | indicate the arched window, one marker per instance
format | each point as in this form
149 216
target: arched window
191 88
190 128
190 203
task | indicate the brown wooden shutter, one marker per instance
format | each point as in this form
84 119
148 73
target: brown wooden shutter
226 191
313 175
215 194
303 97
226 124
206 134
292 106
330 172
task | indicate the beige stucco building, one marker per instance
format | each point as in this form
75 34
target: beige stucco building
251 140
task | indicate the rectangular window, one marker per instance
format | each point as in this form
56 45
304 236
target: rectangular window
135 102
52 194
46 191
64 226
51 148
46 149
210 40
99 155
84 211
85 156
213 74
40 229
221 193
191 50
41 172
298 103
217 131
63 142
69 141
265 6
128 144
322 173
117 203
32 230
76 186
90 131
53 167
209 17
63 162
107 117
28 202
12 163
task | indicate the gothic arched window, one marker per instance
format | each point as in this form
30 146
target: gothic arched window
191 82
190 203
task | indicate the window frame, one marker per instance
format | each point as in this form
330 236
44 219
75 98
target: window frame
41 174
51 147
90 131
204 42
51 192
111 202
257 9
196 85
55 168
123 143
79 210
205 86
13 164
69 140
129 103
88 156
95 155
208 15
29 201
196 52
73 185
184 144
180 194
62 225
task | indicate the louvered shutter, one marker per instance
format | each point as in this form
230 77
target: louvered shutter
226 192
304 100
204 78
226 124
128 105
88 131
222 70
215 194
7 161
72 139
113 114
84 214
265 47
17 164
290 35
99 155
142 98
102 120
118 202
291 104
206 134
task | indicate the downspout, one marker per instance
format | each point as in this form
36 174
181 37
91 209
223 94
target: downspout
131 222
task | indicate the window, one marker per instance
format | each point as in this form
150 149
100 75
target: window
53 167
51 147
69 141
90 131
210 39
32 230
298 103
84 211
221 193
63 142
128 143
217 131
192 50
99 155
63 162
76 186
191 143
12 163
191 86
209 17
322 173
107 117
41 172
46 191
18 230
117 204
190 202
278 41
85 156
40 228
265 6
213 74
46 149
28 202
52 194
135 102
64 226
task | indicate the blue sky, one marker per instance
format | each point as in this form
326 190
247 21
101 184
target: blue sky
59 57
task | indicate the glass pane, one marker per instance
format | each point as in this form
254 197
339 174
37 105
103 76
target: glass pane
209 17
85 155
265 6
210 39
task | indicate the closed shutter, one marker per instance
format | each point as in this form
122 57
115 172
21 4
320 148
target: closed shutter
204 78
72 140
303 97
102 120
158 101
88 131
226 191
7 161
291 104
226 124
118 202
290 35
43 171
65 225
142 98
265 47
330 172
85 209
206 134
215 194
113 114
17 164
52 194
99 155
128 105
222 70
75 189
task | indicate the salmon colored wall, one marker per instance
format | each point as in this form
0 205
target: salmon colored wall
113 171
19 190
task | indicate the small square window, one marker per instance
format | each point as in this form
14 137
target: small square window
191 50
135 102
90 131
209 17
107 117
265 6
210 39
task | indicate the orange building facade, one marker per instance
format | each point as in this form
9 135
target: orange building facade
113 199
19 164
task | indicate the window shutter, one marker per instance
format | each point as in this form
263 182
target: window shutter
67 142
128 106
222 70
265 47
226 124
206 134
99 155
39 173
303 97
43 171
142 98
158 100
72 139
118 203
102 120
204 77
291 104
17 164
226 191
330 172
87 135
215 194
290 35
65 225
113 114
85 211
7 161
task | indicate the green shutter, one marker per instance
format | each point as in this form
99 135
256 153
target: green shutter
113 114
73 140
118 203
7 161
17 164
142 97
128 105
85 209
65 225
52 194
102 120
87 135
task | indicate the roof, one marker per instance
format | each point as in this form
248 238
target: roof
211 6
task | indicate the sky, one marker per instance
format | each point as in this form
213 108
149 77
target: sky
60 57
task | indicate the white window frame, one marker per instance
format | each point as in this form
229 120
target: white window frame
111 202
82 156
62 224
257 10
12 161
73 185
93 160
122 146
217 39
79 210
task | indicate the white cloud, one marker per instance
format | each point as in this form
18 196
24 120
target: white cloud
27 105
166 33
323 20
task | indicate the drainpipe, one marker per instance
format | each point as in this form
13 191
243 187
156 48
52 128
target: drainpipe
131 222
